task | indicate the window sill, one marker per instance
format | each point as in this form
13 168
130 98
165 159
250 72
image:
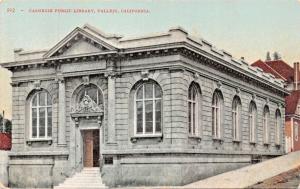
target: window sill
194 137
252 143
236 141
41 140
220 140
267 144
278 145
134 139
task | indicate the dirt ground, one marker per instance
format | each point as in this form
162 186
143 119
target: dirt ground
290 179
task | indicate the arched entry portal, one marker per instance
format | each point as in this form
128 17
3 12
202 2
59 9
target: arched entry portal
88 115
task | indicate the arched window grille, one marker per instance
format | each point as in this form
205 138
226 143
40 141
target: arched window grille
193 109
236 118
148 109
41 116
217 114
252 121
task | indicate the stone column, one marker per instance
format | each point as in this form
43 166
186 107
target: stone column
61 113
111 131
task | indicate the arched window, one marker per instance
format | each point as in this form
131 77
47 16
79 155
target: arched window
277 126
193 109
252 121
41 116
148 109
266 118
217 114
236 118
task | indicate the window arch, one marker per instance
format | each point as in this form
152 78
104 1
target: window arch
193 108
90 90
252 121
236 118
277 126
217 106
266 120
148 109
41 115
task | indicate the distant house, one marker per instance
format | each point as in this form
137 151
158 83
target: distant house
282 70
5 141
5 133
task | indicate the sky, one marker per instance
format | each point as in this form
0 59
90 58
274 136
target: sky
245 28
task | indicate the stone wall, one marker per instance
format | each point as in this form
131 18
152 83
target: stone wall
169 169
4 167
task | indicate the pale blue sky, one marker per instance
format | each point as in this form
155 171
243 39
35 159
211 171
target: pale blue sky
247 28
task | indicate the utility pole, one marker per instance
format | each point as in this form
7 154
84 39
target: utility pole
3 124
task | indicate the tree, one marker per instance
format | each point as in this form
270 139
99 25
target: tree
1 123
8 126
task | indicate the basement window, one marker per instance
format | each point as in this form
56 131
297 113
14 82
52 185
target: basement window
108 160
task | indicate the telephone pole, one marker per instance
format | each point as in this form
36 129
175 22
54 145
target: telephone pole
3 124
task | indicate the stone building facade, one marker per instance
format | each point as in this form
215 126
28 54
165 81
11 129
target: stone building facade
165 109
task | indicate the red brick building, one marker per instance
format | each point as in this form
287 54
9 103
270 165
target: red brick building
5 141
291 76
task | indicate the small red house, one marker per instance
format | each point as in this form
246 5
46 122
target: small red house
291 76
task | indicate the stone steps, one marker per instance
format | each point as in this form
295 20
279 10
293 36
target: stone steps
88 178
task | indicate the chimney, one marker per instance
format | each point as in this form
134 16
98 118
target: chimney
17 52
296 75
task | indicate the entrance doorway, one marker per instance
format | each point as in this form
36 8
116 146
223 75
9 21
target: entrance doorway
91 151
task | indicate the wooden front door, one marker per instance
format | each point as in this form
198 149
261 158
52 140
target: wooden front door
91 148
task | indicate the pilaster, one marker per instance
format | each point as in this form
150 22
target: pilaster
61 112
111 101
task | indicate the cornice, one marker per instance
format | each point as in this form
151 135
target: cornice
237 69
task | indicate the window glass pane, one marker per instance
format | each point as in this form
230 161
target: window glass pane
234 124
190 117
194 92
139 94
213 121
42 98
194 118
149 127
190 93
149 116
148 90
81 95
34 122
34 100
48 99
42 119
217 121
158 116
139 112
158 92
49 129
158 127
92 93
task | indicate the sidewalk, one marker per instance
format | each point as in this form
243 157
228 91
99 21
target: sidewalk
251 174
